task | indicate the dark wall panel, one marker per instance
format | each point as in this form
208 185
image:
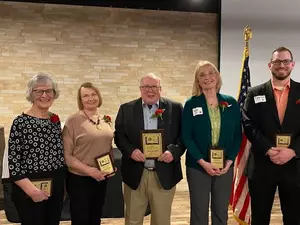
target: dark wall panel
208 6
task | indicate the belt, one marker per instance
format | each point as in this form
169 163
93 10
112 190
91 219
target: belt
150 168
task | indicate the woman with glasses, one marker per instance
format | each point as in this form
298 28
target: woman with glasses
211 132
87 134
35 156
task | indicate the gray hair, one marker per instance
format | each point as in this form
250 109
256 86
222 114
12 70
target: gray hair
150 75
40 78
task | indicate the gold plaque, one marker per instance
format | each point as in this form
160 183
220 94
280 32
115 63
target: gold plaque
283 140
105 163
217 157
152 143
43 184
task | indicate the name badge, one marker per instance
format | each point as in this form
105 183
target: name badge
197 111
259 99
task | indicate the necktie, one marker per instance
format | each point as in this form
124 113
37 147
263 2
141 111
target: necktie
149 106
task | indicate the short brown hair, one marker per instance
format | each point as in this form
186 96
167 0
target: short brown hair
282 49
197 90
87 85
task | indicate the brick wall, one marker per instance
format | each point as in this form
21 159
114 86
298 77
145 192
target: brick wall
111 47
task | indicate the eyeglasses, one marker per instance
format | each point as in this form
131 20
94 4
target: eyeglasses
147 88
49 92
285 62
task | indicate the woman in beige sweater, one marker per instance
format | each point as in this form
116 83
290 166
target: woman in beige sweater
86 134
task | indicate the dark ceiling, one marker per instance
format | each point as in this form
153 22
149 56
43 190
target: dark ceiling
207 6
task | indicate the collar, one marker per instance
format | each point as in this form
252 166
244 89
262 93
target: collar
287 85
144 104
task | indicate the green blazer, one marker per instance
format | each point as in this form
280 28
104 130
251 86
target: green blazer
196 129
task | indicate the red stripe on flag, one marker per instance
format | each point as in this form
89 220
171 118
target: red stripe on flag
240 196
239 191
235 195
243 212
242 150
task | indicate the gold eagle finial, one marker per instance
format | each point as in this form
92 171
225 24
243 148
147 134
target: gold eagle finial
247 33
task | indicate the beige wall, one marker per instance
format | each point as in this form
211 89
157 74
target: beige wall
111 47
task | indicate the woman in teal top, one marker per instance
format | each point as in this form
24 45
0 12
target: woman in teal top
210 120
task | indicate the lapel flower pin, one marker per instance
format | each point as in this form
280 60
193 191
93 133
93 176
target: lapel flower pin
298 101
54 118
107 119
224 105
158 113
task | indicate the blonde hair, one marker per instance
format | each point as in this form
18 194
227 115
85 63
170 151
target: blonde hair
91 86
200 68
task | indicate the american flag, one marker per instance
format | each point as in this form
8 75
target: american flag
240 197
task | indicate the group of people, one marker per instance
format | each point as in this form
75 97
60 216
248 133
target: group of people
39 150
208 122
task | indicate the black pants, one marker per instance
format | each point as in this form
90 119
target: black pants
86 199
47 212
262 192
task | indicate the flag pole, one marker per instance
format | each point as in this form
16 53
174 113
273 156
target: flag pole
240 197
247 37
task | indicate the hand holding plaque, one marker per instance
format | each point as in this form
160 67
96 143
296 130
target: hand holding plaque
105 163
152 143
217 157
44 185
283 140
